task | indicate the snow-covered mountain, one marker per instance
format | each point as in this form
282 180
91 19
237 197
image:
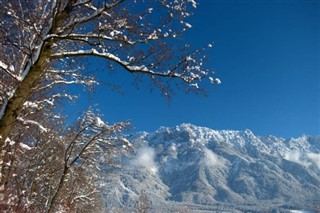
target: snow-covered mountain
196 169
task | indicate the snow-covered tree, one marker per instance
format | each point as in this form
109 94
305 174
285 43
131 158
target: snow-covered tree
91 145
47 39
58 170
46 44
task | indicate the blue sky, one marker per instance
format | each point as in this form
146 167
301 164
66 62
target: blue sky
267 54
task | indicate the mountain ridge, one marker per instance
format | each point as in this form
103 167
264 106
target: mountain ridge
232 170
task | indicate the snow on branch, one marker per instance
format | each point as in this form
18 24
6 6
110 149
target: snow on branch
108 56
87 37
32 122
187 75
9 70
92 137
97 12
40 104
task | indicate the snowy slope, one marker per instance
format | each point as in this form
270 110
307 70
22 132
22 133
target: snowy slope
205 169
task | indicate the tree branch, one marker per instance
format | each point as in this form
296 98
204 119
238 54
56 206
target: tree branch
116 59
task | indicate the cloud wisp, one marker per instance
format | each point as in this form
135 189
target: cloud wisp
145 159
305 159
211 159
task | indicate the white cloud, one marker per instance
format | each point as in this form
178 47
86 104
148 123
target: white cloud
296 156
315 158
145 159
211 158
305 159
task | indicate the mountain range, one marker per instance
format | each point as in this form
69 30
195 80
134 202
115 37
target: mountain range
196 169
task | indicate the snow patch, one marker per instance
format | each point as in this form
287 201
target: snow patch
188 25
218 81
24 146
100 122
194 3
31 104
3 65
214 80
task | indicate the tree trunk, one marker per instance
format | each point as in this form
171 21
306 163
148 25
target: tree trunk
22 93
15 104
25 90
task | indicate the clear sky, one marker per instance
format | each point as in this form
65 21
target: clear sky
267 54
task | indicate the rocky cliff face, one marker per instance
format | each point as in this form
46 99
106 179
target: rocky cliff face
200 169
